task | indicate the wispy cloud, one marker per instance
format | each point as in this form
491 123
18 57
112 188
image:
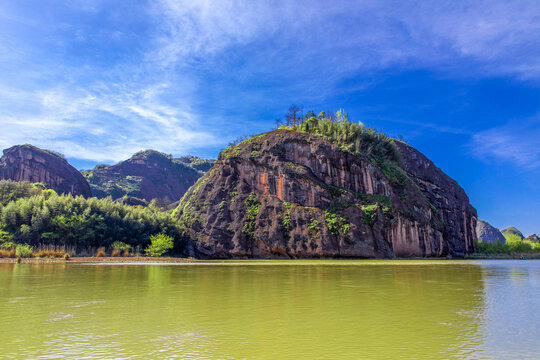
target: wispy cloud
99 80
516 143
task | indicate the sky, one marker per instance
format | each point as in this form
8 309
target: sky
459 80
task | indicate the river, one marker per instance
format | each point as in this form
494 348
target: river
297 309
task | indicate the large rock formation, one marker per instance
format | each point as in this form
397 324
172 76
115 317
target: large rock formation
488 234
512 231
147 175
292 194
532 238
29 163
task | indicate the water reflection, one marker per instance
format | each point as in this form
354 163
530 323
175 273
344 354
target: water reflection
392 310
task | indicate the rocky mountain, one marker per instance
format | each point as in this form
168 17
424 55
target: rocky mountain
294 194
147 175
532 238
29 163
488 234
512 231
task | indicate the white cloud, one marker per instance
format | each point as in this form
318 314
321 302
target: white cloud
517 143
154 92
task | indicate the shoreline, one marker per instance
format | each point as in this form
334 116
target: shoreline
142 259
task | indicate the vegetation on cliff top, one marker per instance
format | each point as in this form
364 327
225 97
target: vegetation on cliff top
339 129
350 136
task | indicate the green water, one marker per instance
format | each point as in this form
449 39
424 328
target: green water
272 310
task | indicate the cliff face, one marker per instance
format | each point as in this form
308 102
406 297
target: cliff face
292 194
147 175
29 163
489 234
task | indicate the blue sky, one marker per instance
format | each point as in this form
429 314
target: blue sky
459 80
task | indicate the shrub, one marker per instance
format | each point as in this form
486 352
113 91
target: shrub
7 245
101 252
160 244
10 253
24 250
335 222
370 214
66 256
49 254
116 253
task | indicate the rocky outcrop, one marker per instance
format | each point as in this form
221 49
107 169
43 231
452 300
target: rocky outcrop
488 234
147 175
292 194
512 231
532 238
29 163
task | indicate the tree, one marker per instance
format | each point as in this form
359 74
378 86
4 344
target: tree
160 244
293 115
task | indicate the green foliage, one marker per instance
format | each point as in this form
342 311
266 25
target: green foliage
120 245
286 219
336 223
350 136
160 244
81 223
13 190
255 154
24 250
370 214
393 173
253 206
5 236
314 225
513 246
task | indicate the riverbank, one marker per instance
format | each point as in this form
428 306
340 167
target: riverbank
130 259
144 259
503 256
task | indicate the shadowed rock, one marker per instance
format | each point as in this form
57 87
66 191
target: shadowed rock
147 175
29 163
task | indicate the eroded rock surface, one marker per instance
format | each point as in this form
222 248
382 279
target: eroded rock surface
147 175
292 194
29 163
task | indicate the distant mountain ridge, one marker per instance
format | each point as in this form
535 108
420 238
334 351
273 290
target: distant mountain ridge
489 234
147 175
512 231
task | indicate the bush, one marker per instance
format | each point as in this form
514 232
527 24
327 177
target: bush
101 252
161 243
116 253
49 254
120 245
8 253
24 250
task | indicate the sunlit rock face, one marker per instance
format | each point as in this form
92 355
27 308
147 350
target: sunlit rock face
29 163
488 234
291 194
